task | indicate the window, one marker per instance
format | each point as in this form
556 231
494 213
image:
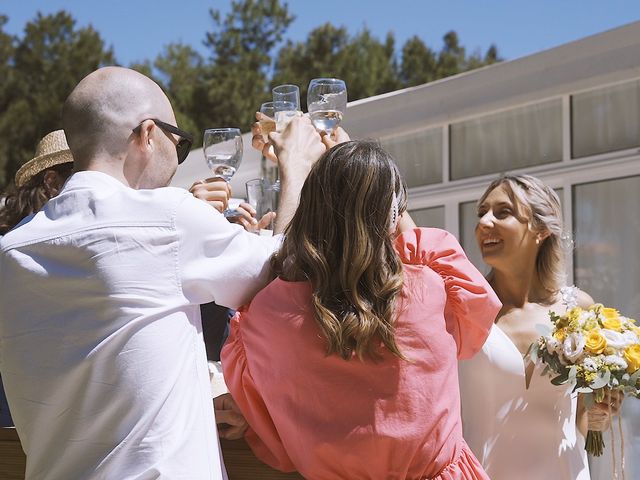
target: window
607 234
428 217
419 156
605 120
468 221
505 141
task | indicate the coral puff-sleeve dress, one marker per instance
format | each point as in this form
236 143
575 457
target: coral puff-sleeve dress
331 418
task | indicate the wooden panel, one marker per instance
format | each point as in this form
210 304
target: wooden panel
242 464
12 459
240 461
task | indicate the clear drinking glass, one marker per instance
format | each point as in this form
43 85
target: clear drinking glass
261 196
286 99
270 169
327 102
223 152
268 125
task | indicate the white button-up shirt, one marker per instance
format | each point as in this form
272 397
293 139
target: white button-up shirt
101 348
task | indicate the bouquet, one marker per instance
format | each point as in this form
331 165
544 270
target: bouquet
595 349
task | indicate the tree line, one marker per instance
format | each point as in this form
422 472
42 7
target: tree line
246 57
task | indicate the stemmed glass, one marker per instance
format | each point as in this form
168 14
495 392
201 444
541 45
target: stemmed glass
268 125
223 153
327 102
286 104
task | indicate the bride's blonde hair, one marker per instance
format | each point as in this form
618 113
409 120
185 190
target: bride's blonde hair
539 206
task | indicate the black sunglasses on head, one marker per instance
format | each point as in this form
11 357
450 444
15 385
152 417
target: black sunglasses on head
184 144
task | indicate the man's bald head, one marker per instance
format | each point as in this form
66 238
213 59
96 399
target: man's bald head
105 106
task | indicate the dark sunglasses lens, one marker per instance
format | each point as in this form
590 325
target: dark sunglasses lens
182 148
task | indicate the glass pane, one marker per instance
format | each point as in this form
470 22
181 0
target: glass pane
500 142
428 217
606 265
419 156
605 120
607 235
468 220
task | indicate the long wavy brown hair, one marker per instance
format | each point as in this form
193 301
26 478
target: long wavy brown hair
29 198
341 241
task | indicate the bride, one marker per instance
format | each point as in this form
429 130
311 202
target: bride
516 422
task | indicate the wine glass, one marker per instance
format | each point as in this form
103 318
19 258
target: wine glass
327 102
223 152
286 105
268 125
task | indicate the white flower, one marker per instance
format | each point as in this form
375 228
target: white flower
569 296
630 337
615 339
589 364
553 345
585 317
618 363
573 346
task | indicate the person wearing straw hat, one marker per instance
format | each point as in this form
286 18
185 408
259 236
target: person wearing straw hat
38 180
100 332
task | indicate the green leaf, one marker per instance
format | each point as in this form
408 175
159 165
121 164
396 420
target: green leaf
560 379
601 381
583 390
598 395
588 399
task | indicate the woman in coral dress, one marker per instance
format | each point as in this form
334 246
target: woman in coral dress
345 366
520 425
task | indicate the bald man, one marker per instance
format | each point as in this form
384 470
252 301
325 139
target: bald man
100 334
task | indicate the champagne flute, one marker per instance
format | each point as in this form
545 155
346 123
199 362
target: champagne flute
286 106
267 125
327 103
223 152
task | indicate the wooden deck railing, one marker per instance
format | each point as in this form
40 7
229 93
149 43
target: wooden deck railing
240 461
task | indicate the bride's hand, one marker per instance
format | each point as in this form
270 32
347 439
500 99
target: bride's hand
600 414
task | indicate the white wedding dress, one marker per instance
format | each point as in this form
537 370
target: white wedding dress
518 432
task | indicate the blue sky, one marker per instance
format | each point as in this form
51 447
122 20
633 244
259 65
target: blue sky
139 29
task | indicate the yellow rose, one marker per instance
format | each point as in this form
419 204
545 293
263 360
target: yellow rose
612 323
636 330
611 313
560 334
595 342
632 356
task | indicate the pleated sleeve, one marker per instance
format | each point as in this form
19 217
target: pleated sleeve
471 304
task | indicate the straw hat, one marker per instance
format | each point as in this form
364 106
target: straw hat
52 150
